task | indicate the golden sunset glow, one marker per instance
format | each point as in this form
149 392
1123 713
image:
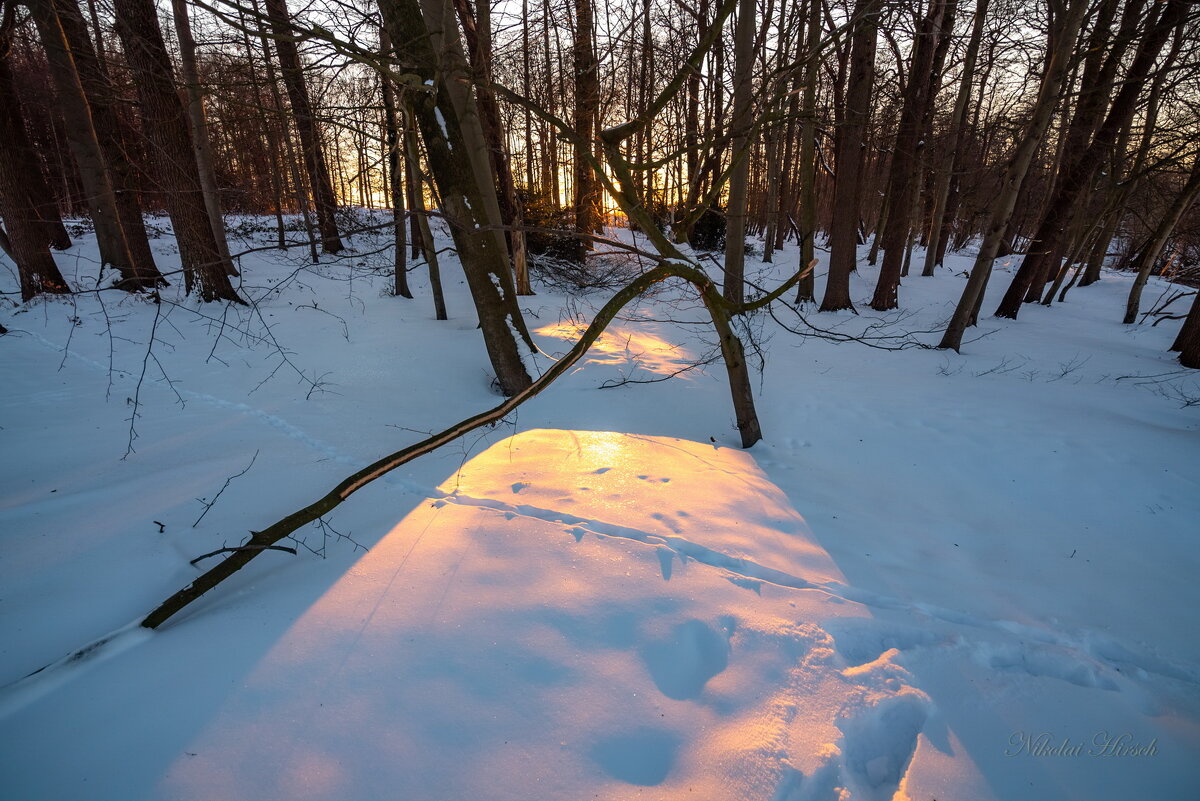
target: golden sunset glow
626 345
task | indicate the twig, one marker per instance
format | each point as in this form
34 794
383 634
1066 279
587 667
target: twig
137 392
236 548
209 504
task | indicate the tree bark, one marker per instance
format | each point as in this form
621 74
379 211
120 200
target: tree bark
739 177
201 145
935 245
1057 65
1166 226
306 125
420 218
903 183
587 109
847 190
113 134
806 290
479 43
26 231
82 138
1079 174
394 144
1096 85
449 121
29 180
166 127
1188 341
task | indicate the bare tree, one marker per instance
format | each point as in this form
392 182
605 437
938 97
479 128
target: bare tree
1081 169
448 118
26 228
1162 232
958 116
588 219
166 126
292 73
395 159
739 177
199 127
478 33
847 190
95 145
29 180
1062 42
924 77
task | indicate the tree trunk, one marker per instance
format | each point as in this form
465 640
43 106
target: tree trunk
1188 341
420 218
29 181
306 125
903 183
847 190
806 289
739 178
394 144
1080 171
1125 187
587 109
81 130
1057 65
283 136
479 43
449 123
113 134
1096 82
1166 226
166 127
201 145
935 246
26 231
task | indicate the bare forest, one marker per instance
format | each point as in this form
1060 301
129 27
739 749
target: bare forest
1060 130
565 399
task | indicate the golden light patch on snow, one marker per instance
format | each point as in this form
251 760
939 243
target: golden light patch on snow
627 346
577 614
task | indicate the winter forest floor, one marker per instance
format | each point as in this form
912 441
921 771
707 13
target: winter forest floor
940 576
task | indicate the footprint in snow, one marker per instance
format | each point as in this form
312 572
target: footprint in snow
642 756
879 741
685 660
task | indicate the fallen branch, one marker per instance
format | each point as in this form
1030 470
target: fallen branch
720 311
236 548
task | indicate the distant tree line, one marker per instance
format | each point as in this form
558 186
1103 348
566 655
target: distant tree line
1061 133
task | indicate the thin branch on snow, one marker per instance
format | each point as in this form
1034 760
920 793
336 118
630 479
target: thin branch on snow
209 504
236 548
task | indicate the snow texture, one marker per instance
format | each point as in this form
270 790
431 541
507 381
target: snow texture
940 576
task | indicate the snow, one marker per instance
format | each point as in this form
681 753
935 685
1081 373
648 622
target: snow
939 576
441 121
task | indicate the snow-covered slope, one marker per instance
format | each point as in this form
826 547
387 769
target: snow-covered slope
940 576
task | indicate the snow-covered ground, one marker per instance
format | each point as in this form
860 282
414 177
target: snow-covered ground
940 576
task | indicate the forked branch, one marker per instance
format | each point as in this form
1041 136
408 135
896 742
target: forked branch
739 385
